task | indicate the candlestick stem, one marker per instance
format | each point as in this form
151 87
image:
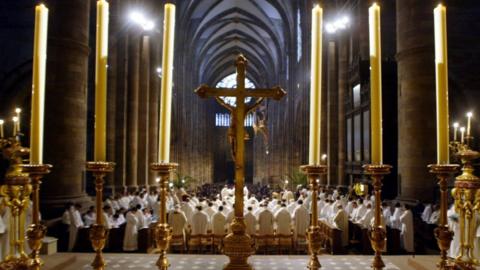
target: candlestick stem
163 232
377 233
314 235
36 231
98 231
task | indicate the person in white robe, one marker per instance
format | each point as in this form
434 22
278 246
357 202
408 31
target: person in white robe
137 200
453 224
427 211
250 221
386 211
124 202
320 204
265 221
210 210
219 221
152 198
395 219
245 192
341 222
301 219
225 192
361 210
435 216
177 221
283 221
407 234
199 222
365 220
141 221
76 223
130 240
349 207
187 209
89 217
291 206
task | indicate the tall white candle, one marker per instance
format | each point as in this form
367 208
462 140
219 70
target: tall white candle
38 84
316 87
166 90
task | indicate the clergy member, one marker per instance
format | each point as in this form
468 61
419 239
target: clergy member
301 220
219 222
407 236
76 223
283 221
130 240
250 222
265 221
177 221
199 221
341 222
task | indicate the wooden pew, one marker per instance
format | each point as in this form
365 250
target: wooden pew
332 237
143 240
393 241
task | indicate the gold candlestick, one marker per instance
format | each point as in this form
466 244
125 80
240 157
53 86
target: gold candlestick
314 173
36 231
467 204
443 234
377 233
163 232
16 192
98 232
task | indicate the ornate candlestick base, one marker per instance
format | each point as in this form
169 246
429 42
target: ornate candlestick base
237 246
442 233
314 174
36 231
377 233
98 232
163 232
467 204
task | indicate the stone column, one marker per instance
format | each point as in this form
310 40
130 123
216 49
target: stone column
153 108
332 107
66 104
120 114
112 92
416 98
143 111
132 111
342 91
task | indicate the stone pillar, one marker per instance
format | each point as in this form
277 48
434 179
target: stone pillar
416 98
153 108
332 107
66 104
120 114
132 111
342 91
112 92
143 111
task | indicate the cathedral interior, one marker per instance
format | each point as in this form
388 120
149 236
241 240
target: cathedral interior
274 36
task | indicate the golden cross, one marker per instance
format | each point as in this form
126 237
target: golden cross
238 114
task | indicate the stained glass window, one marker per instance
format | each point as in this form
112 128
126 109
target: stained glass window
230 81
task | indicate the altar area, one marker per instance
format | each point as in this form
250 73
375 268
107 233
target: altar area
78 261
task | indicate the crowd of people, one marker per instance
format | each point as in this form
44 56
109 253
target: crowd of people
210 209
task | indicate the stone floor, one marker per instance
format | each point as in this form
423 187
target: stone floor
69 261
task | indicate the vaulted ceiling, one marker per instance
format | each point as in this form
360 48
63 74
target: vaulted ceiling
218 30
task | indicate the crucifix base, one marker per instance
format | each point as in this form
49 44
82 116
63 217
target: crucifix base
237 246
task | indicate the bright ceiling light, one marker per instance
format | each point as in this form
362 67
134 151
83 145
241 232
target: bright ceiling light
338 24
139 19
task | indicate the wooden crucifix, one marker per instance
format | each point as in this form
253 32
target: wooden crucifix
237 118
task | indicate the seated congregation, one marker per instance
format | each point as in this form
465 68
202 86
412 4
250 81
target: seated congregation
276 220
